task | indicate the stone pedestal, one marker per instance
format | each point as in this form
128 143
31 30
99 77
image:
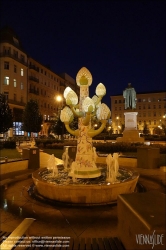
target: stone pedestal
130 134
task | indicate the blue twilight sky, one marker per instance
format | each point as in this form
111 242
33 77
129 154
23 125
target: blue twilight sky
118 41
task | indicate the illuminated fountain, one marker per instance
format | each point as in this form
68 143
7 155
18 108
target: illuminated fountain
84 182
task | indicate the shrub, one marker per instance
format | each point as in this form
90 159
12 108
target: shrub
9 144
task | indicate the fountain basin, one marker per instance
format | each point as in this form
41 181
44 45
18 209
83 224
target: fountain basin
84 194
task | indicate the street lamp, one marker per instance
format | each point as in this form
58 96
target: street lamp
59 99
117 123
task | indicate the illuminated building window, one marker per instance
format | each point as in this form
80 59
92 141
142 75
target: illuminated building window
144 100
14 82
22 86
6 80
22 72
17 128
6 65
149 100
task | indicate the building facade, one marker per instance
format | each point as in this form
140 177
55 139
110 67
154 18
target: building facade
23 78
151 108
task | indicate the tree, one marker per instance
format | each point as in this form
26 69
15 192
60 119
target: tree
32 119
6 118
146 129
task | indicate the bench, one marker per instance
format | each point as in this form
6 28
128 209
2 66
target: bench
11 240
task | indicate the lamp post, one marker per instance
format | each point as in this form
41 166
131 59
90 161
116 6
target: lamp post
84 165
60 100
117 118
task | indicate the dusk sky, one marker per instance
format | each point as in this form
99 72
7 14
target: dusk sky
118 41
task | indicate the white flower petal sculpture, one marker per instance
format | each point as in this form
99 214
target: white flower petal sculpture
100 90
84 77
72 96
66 91
88 104
103 112
66 114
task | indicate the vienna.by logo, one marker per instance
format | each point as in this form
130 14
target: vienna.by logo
150 239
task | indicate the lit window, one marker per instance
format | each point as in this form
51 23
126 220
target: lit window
14 81
6 80
144 100
22 86
149 100
22 72
6 65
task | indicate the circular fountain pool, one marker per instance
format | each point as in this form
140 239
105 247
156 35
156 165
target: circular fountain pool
83 191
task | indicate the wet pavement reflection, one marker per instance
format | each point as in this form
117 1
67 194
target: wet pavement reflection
61 220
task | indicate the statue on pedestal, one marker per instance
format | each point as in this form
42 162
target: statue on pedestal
130 97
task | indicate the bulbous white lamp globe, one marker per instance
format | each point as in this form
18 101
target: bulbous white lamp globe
72 96
66 114
103 112
66 91
100 90
84 77
88 105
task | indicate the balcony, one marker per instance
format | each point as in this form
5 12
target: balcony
32 78
15 57
19 103
33 67
34 91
